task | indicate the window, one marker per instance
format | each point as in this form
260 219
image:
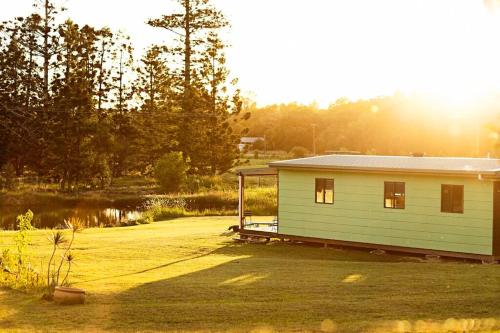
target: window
452 198
394 195
324 191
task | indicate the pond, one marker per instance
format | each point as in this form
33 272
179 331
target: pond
92 217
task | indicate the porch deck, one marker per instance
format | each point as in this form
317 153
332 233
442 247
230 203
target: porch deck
248 221
263 226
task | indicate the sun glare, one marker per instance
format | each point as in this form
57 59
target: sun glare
356 49
447 49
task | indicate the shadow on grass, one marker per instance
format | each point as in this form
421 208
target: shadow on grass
170 263
279 286
299 287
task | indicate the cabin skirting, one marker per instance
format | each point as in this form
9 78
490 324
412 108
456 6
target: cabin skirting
264 234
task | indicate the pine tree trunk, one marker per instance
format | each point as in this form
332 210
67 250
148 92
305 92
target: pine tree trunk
46 55
187 52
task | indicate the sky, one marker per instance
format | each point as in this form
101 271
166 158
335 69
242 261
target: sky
316 51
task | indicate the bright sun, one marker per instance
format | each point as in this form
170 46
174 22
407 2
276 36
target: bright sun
459 64
364 48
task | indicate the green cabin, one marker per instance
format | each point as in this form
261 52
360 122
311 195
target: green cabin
439 205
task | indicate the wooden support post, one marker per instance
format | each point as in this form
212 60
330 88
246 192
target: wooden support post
277 201
241 196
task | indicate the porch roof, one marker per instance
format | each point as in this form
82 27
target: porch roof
267 171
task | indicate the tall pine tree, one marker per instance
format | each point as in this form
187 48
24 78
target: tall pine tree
157 113
218 104
73 90
190 24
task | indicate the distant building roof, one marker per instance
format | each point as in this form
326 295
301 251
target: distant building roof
453 165
251 139
343 152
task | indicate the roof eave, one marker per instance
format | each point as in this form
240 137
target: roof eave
472 173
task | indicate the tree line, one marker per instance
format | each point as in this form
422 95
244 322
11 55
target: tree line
76 107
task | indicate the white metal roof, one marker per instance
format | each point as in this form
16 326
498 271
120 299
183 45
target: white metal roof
251 139
460 165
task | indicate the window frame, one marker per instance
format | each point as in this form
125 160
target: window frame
393 197
451 206
324 182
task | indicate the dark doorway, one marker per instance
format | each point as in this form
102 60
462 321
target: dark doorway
496 219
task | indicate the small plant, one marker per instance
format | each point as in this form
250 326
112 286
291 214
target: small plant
159 208
69 259
16 270
56 239
6 262
55 266
22 238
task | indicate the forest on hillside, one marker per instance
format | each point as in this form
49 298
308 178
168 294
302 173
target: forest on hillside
390 125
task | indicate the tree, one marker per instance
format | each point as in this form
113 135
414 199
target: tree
124 133
105 41
194 20
47 29
299 152
47 48
170 172
220 141
157 114
75 107
19 90
73 89
33 43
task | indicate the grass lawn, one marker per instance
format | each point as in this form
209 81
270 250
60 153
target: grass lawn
188 274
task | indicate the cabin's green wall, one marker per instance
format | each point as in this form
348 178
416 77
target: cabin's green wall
358 213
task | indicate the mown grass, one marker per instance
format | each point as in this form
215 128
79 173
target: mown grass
187 274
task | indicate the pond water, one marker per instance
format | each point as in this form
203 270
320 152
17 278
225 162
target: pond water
92 217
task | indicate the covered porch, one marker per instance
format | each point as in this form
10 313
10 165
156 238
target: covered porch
249 221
